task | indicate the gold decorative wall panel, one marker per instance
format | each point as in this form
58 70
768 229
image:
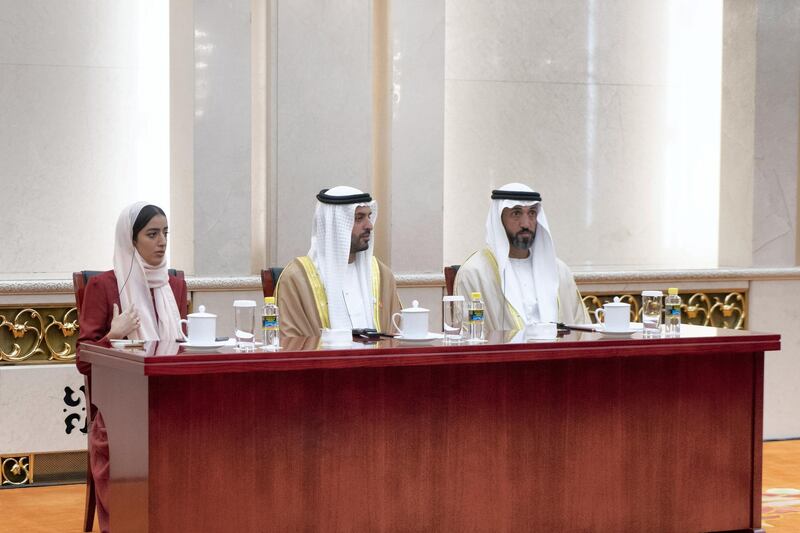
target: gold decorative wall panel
16 469
720 309
26 336
46 334
52 468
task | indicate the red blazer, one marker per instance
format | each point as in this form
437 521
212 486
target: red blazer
98 309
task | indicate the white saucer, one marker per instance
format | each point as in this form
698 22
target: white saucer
120 344
626 333
633 328
203 347
430 337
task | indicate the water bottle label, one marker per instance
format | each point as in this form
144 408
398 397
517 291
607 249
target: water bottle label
269 321
674 310
476 315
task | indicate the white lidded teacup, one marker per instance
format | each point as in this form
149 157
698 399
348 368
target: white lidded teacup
201 327
415 321
616 315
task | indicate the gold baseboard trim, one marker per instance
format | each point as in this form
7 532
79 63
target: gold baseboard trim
16 469
52 468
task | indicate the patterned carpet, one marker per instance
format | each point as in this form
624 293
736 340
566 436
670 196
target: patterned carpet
781 487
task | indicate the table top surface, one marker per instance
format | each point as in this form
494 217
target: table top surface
303 353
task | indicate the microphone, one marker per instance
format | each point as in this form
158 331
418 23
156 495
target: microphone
347 307
505 300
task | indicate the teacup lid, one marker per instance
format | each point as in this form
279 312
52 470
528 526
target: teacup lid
201 313
616 303
415 308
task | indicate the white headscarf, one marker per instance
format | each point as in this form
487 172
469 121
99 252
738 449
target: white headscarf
330 252
135 278
543 256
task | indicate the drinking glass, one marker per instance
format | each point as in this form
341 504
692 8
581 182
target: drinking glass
453 311
651 313
244 320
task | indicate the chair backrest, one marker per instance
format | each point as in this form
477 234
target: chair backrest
80 279
450 278
269 278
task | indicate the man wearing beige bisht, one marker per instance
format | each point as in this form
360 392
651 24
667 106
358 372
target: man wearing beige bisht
520 279
339 284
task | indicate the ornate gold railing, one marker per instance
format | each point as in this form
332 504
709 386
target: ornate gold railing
41 334
27 336
727 309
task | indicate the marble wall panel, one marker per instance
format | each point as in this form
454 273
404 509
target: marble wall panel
67 146
428 297
220 303
607 108
773 307
777 109
602 193
324 110
683 287
42 32
35 416
222 138
181 133
34 300
77 135
417 135
619 41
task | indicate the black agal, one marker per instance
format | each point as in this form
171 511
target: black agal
524 196
361 198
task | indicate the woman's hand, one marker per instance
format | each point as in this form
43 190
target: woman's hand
123 324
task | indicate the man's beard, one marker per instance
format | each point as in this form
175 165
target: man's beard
357 244
522 240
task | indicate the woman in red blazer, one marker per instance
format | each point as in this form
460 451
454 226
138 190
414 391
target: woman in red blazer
138 299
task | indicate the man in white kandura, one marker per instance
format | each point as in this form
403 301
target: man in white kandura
339 284
518 274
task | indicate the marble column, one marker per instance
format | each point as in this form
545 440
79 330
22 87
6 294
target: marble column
415 181
737 133
777 115
222 185
323 111
181 125
413 188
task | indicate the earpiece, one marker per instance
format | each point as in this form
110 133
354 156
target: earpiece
130 269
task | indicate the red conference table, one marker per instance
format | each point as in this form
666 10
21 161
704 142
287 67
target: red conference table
585 433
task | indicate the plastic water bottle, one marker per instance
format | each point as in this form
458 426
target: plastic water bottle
475 317
672 313
270 323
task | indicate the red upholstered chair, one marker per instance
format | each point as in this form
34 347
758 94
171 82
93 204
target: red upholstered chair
79 281
269 278
450 278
